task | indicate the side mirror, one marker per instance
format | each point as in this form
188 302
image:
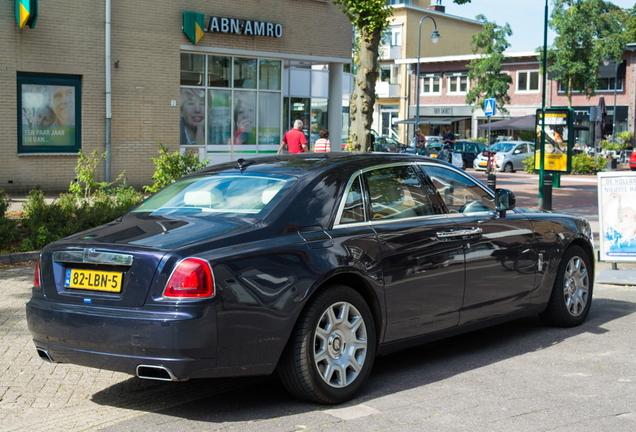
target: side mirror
504 200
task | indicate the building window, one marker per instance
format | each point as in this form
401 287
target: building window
240 102
390 74
431 85
49 108
608 84
458 84
604 84
528 81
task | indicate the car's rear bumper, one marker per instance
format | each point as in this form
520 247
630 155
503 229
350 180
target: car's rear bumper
120 339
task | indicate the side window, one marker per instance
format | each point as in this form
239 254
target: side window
354 205
459 193
396 193
470 147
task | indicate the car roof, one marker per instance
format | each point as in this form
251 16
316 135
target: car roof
311 164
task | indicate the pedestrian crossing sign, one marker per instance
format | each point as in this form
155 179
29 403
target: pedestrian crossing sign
489 106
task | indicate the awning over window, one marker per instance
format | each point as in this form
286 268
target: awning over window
432 120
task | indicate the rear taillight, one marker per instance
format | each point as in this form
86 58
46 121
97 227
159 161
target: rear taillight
192 278
36 276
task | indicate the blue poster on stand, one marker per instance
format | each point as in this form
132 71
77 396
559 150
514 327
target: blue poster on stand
617 216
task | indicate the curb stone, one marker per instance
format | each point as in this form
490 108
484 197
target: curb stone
19 257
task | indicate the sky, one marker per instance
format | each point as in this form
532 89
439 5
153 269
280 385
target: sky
524 16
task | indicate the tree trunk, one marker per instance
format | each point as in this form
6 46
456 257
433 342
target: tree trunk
363 97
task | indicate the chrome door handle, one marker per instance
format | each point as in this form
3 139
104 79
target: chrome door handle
463 234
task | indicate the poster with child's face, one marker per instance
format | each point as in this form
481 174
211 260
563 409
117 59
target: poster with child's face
48 115
617 216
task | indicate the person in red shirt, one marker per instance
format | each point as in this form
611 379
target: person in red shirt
294 139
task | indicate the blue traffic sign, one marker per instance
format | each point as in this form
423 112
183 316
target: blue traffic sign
489 106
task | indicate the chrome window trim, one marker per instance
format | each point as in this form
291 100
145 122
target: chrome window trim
463 174
356 175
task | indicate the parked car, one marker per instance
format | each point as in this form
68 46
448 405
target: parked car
469 151
509 156
309 265
388 144
433 149
632 161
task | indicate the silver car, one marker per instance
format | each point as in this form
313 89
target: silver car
509 156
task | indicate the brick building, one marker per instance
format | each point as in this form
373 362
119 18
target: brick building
441 98
121 75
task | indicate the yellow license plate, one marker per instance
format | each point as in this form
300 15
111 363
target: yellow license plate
93 280
433 155
482 163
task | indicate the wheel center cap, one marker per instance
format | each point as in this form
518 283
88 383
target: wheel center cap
336 345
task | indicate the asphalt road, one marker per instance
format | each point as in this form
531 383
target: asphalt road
520 376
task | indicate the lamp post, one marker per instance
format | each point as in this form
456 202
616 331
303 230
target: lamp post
434 37
614 112
547 205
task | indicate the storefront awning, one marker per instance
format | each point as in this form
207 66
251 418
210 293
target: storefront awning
432 120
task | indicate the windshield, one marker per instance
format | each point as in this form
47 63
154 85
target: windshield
502 147
242 195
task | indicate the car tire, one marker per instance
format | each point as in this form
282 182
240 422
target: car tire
508 167
632 168
571 296
332 348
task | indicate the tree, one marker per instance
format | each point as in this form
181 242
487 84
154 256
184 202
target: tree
630 25
588 33
370 19
484 72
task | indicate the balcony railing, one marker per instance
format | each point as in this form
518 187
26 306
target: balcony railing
387 90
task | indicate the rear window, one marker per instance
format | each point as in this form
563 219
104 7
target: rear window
241 195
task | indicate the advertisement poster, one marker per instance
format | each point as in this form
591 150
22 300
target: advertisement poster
48 115
558 125
617 216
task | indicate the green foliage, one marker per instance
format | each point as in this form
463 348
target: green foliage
625 137
616 146
172 166
528 164
584 164
4 203
42 222
85 181
481 139
9 232
589 32
485 72
88 204
367 16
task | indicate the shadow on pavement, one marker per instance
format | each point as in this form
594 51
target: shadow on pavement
252 399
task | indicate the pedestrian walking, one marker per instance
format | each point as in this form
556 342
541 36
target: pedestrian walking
322 144
294 139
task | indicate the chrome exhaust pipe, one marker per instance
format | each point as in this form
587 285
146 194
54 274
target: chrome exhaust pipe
158 373
44 355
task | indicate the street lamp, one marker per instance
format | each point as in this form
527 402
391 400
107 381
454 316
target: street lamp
434 37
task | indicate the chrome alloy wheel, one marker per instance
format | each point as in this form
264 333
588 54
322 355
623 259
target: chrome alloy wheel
576 286
340 344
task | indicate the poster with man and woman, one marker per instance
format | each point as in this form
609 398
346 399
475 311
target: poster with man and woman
48 115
